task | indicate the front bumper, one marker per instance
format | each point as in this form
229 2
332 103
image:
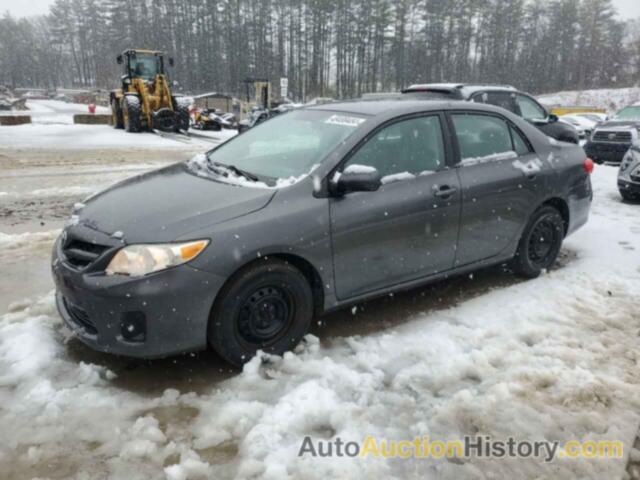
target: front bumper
157 315
629 186
606 152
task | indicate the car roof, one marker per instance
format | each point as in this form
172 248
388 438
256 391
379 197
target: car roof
397 107
376 107
465 89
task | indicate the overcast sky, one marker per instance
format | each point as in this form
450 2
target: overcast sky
626 8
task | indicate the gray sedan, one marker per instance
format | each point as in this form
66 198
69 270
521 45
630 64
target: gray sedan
311 211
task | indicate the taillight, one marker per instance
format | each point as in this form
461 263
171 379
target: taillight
588 166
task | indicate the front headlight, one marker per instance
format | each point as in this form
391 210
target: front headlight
627 160
139 260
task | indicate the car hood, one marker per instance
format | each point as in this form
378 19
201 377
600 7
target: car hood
166 204
620 124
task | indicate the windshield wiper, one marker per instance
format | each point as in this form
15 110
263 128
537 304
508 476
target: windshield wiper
237 171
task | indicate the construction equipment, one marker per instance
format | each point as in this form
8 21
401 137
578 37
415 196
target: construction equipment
145 101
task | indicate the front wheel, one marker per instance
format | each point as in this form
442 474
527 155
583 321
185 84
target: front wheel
540 243
132 113
267 306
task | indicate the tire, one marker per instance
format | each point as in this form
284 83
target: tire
116 115
241 322
131 112
540 243
181 107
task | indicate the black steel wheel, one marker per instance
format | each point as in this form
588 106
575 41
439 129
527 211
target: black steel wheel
540 243
265 315
266 306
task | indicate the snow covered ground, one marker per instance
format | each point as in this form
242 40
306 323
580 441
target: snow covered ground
555 358
611 99
52 128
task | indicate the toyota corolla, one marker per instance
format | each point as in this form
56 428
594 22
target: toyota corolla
314 210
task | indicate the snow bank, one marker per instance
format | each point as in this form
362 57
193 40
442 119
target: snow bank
555 358
611 99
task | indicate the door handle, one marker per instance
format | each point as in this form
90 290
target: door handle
443 191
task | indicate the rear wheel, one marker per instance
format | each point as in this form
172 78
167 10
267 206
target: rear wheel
540 243
116 115
131 113
267 306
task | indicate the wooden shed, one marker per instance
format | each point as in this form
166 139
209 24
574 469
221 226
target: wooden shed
214 100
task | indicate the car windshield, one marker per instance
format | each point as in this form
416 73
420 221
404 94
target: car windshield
629 113
287 146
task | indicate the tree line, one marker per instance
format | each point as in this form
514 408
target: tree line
339 48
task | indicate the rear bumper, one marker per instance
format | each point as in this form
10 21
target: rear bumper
157 315
606 152
579 203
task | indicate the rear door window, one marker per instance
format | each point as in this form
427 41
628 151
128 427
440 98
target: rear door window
482 136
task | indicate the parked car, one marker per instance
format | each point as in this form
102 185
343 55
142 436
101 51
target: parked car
505 96
594 116
582 135
611 140
629 175
257 115
61 97
314 210
582 124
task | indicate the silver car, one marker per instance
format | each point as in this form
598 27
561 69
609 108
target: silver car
629 174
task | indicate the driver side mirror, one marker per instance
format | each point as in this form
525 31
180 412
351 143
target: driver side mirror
119 59
553 118
360 179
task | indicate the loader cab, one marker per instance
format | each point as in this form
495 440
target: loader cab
145 64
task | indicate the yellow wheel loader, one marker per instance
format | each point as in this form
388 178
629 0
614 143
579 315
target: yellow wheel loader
145 101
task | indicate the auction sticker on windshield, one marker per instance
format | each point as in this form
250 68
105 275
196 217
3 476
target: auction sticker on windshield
344 120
